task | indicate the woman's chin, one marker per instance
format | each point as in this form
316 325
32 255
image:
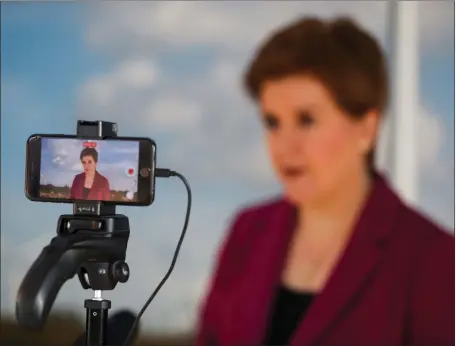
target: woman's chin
300 196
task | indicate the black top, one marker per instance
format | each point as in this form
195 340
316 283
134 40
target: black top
85 193
288 311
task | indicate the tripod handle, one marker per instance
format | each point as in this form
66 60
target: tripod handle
56 264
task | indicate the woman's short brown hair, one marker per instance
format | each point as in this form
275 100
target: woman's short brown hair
345 58
89 152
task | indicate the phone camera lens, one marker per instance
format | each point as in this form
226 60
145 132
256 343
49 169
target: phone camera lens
144 172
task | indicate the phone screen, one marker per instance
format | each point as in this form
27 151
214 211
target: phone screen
99 170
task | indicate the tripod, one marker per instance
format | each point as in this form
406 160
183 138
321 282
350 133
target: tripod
92 243
103 271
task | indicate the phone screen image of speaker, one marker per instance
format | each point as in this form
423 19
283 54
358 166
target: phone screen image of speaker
105 170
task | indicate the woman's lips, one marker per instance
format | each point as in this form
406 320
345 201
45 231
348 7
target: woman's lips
293 172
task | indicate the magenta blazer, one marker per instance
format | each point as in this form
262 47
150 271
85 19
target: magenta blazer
99 192
394 284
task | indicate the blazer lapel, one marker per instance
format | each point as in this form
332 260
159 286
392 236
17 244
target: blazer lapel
79 186
257 292
356 265
93 194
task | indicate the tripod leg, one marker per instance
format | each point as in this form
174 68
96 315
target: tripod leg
96 321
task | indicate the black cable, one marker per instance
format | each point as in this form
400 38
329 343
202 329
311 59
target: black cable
165 173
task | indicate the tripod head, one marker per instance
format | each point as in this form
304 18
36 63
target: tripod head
91 243
93 247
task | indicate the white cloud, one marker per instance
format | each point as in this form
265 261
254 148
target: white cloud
122 150
431 138
77 167
137 74
57 160
436 23
226 25
133 75
432 129
193 112
101 89
170 113
147 26
65 152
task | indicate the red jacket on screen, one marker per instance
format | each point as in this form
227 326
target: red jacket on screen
99 192
394 284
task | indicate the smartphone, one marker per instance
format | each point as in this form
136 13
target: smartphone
67 169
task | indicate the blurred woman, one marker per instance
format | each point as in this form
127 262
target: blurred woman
339 259
90 185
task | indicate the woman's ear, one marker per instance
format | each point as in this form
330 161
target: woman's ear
368 131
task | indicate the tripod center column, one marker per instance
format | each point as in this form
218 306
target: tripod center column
96 320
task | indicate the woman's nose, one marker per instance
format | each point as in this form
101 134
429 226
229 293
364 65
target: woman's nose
290 140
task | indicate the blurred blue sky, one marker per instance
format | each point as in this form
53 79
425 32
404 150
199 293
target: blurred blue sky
171 71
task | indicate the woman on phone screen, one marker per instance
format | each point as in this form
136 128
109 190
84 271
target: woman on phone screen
90 185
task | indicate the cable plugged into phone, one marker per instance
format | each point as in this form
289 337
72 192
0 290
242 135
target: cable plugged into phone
165 173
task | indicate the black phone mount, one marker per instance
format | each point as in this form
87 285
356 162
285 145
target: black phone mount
90 243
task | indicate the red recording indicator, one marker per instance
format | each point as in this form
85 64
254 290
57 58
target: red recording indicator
90 144
130 171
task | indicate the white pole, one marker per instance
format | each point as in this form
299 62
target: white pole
385 149
404 92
